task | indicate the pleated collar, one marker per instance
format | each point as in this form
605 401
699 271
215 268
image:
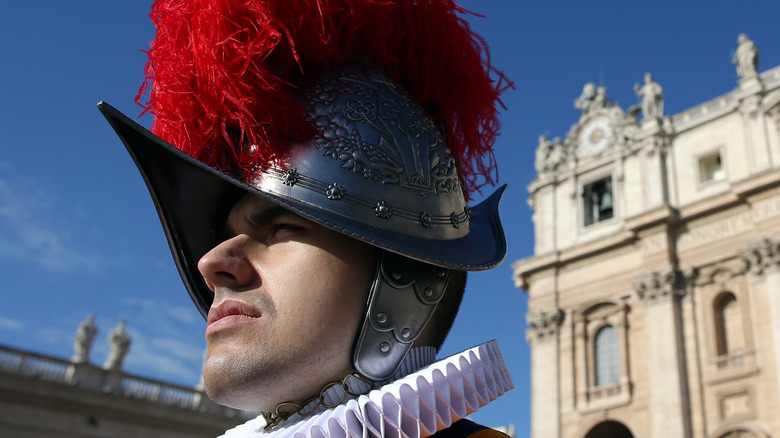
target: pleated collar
423 398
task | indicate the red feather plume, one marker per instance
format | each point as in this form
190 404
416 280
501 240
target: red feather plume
217 69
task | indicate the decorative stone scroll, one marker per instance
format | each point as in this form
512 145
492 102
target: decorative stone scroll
762 256
543 325
657 285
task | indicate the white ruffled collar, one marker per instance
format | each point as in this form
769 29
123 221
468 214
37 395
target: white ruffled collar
416 404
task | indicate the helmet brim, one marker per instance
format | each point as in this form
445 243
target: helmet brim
192 200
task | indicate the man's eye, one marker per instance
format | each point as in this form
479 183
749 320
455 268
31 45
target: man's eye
283 227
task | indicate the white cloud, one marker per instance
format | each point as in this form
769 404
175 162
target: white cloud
166 358
167 340
161 313
177 347
11 324
55 336
30 233
186 315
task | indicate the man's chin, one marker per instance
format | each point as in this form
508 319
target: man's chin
235 396
227 384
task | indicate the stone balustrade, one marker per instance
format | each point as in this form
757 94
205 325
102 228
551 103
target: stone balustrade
115 382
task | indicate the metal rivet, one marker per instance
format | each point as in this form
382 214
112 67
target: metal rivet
383 210
291 177
384 347
335 191
381 318
405 333
426 219
428 292
442 273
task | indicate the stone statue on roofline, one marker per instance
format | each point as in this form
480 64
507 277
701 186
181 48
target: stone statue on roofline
543 152
746 57
592 99
550 155
85 336
119 341
652 95
600 99
559 153
586 98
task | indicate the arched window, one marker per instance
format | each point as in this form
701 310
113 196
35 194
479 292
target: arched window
611 429
739 433
729 331
607 356
601 355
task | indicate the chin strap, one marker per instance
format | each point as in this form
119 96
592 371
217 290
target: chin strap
402 300
285 409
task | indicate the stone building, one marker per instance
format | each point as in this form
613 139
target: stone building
654 288
43 396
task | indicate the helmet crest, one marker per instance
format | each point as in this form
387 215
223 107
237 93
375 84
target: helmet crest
221 73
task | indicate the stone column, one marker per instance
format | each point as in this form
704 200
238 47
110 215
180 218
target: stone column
756 129
622 328
656 182
774 147
660 293
764 260
583 362
543 336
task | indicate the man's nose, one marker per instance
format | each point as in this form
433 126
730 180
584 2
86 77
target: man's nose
228 265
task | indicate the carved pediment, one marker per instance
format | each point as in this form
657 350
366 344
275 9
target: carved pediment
721 273
601 128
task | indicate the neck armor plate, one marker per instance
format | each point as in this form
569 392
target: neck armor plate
402 300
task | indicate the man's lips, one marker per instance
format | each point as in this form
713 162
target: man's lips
230 313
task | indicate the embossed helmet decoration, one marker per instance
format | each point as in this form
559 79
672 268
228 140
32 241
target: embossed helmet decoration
258 97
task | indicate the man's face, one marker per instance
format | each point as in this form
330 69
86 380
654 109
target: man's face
289 296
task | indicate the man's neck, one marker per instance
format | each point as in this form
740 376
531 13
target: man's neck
353 385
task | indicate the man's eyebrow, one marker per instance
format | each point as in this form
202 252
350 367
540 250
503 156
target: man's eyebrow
256 218
267 215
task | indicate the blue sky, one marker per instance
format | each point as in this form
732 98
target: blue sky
79 234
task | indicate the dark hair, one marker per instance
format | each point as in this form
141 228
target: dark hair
441 322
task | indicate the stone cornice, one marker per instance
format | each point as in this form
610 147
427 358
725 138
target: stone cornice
529 266
660 215
739 195
726 104
756 182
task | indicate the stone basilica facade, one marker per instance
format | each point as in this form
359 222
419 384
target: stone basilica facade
654 288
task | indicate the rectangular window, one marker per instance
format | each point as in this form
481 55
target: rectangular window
710 168
597 201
